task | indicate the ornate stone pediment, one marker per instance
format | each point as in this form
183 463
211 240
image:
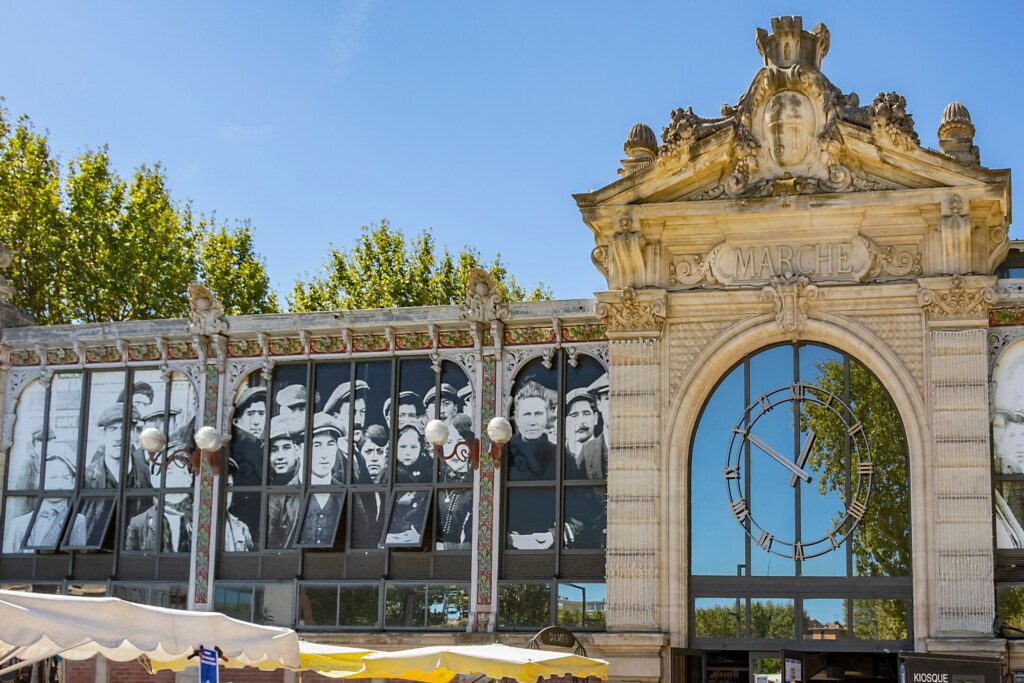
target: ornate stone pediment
206 316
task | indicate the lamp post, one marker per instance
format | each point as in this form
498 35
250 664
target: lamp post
208 442
499 431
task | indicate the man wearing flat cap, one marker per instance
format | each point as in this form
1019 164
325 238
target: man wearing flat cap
51 516
170 529
580 423
286 443
594 453
292 400
465 395
104 468
320 521
28 477
323 465
348 406
247 429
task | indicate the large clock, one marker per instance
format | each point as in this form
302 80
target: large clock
748 441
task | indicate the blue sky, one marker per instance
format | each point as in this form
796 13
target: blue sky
476 119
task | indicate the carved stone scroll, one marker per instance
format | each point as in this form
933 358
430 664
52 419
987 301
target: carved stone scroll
206 316
483 298
630 313
956 298
791 298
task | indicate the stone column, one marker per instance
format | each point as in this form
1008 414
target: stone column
634 319
961 551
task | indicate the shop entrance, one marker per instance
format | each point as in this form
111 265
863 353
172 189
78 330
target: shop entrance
786 666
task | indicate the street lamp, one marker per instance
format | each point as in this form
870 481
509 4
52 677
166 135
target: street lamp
208 442
499 431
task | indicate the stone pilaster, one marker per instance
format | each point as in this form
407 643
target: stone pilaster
961 552
635 320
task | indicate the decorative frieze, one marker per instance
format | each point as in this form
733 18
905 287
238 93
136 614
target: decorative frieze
957 298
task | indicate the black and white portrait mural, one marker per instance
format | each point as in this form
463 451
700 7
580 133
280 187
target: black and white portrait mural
1008 445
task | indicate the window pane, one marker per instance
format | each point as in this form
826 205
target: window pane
586 443
454 519
26 454
320 522
1008 438
825 619
772 618
1010 605
98 512
288 426
275 604
144 525
586 518
242 521
718 540
415 379
456 409
326 467
333 397
62 447
531 453
447 606
17 519
414 462
368 511
147 395
581 605
409 511
48 523
105 443
531 518
234 601
282 517
880 619
358 605
177 517
174 596
318 605
248 433
376 383
719 618
405 605
524 605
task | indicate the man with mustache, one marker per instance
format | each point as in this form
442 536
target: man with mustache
580 422
594 453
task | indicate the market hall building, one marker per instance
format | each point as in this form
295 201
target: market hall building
793 422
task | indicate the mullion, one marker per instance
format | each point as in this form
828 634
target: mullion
846 459
797 424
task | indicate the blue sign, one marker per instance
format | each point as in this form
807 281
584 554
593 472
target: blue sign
207 665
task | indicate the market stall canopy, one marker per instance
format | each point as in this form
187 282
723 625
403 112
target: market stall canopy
440 664
331 660
35 627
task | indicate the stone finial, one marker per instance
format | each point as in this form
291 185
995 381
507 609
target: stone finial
483 298
956 134
641 148
6 259
205 314
788 44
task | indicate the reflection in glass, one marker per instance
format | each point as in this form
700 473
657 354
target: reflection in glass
772 618
880 619
719 618
357 605
524 605
98 511
274 604
825 619
51 516
586 517
62 432
318 605
282 516
581 605
586 417
320 521
409 510
368 512
530 518
16 521
531 453
25 459
426 605
454 519
234 601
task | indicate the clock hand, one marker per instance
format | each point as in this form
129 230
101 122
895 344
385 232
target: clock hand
783 461
804 453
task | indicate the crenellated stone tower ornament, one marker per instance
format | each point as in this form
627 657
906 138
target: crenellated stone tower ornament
206 315
483 298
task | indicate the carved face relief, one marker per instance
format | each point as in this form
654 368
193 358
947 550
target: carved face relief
789 126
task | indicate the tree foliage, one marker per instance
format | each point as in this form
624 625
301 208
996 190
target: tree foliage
387 268
90 246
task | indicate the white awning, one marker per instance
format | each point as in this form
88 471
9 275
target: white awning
34 627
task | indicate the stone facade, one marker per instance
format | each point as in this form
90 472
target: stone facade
797 215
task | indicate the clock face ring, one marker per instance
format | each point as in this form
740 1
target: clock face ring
746 443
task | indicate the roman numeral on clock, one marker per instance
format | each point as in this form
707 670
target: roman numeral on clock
866 468
856 429
798 551
857 509
739 509
765 540
732 472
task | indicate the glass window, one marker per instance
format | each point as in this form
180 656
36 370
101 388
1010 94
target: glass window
825 619
772 618
582 605
1008 447
318 605
319 525
426 606
358 604
408 518
524 605
880 619
720 618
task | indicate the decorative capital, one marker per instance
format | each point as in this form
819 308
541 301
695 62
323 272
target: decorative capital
205 314
791 296
957 298
630 313
483 298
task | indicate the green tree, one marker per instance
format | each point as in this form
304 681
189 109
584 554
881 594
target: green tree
388 269
31 221
230 266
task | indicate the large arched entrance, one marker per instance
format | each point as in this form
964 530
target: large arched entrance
800 529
